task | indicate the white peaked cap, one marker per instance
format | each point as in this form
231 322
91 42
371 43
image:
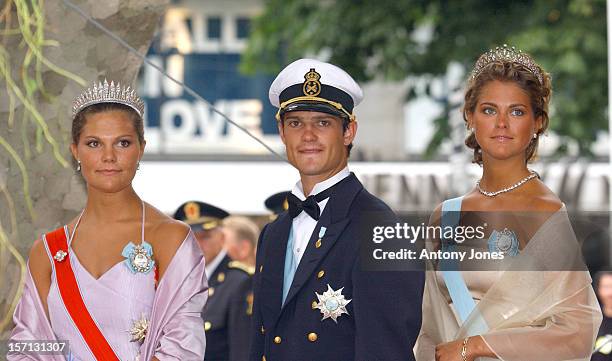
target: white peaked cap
331 85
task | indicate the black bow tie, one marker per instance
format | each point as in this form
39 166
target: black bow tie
310 205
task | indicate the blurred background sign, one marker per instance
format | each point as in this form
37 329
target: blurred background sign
199 43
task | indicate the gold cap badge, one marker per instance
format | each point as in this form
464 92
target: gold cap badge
192 211
312 85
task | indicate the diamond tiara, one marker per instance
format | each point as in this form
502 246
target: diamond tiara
103 92
507 54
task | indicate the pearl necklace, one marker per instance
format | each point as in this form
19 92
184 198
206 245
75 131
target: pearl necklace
531 175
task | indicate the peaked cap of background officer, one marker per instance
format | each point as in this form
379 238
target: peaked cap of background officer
200 215
277 203
313 85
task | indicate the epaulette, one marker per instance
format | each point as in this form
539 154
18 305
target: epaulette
242 266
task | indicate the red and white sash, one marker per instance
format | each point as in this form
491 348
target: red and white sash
71 297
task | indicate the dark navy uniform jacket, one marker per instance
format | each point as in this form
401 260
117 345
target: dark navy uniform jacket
384 315
227 315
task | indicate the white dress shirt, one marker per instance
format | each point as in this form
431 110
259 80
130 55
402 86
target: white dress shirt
303 224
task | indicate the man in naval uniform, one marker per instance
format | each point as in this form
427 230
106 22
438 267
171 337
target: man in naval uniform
313 298
227 314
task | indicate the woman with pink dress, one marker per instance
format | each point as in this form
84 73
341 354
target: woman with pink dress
122 281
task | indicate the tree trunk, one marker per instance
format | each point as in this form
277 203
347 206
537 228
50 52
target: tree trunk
39 188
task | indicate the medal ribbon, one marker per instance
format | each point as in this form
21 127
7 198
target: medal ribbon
71 297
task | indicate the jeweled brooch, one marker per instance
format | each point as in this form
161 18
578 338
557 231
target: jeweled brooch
332 304
139 258
505 241
60 255
139 330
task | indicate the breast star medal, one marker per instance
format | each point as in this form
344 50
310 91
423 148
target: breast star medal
139 258
504 241
332 303
139 330
604 344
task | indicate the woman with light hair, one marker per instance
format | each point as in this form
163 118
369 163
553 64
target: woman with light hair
536 303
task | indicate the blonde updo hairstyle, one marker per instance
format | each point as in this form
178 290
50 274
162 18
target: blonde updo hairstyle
507 71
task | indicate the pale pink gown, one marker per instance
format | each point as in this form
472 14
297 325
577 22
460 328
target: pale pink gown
115 301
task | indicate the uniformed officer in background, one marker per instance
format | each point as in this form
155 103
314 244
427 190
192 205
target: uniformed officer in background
241 235
227 313
277 204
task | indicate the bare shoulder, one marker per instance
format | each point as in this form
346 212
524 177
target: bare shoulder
466 202
472 201
434 218
38 260
165 234
170 232
546 204
544 200
40 269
